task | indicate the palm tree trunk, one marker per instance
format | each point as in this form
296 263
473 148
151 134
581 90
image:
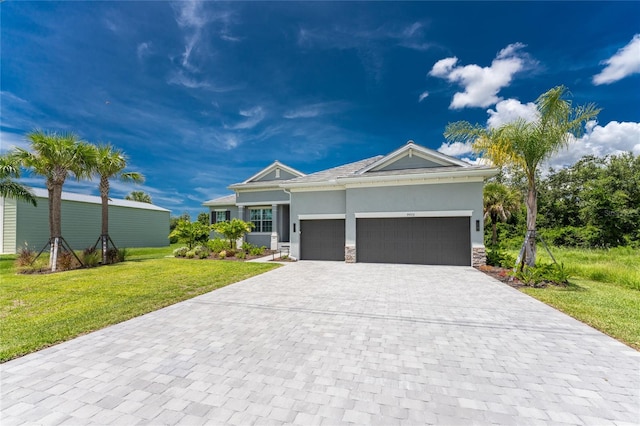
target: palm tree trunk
55 219
532 210
104 232
494 233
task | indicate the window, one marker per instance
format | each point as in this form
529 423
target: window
220 216
261 219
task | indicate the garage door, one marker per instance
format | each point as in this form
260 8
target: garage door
415 240
322 239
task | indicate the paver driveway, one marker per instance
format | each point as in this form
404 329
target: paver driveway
331 343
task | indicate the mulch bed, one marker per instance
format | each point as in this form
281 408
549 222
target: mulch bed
501 274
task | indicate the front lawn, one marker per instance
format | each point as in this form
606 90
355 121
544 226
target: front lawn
605 290
37 311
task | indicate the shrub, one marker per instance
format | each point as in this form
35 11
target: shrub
180 252
25 257
257 251
217 245
560 274
90 257
246 247
498 257
202 252
543 273
190 254
122 254
67 261
241 255
231 253
222 254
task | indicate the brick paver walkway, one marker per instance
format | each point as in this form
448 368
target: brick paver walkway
331 343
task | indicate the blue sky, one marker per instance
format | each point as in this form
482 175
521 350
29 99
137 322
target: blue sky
201 95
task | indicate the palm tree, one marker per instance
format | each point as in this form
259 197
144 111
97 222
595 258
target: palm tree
110 163
526 145
139 196
55 156
500 202
9 169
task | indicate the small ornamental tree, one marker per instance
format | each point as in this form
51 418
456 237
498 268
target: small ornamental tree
233 229
203 217
191 232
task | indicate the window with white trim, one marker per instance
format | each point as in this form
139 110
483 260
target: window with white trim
261 219
220 216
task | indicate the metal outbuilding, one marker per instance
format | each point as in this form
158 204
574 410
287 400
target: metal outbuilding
131 223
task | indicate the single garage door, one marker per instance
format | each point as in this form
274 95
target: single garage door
415 240
322 239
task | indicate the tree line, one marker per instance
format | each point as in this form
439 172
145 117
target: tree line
594 203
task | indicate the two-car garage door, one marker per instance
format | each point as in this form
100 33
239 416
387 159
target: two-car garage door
414 240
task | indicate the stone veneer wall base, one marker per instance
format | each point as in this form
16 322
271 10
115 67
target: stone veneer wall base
479 256
350 254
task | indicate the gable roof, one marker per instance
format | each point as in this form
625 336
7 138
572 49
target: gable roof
92 199
272 167
372 171
410 149
255 182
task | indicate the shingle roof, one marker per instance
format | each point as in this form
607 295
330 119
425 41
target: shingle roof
334 173
222 201
425 170
92 199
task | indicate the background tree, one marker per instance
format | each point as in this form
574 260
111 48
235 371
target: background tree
56 156
110 163
9 188
139 196
526 145
203 217
500 202
233 230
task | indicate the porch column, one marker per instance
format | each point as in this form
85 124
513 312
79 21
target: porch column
240 240
274 227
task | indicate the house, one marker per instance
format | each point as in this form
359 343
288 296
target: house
131 224
414 205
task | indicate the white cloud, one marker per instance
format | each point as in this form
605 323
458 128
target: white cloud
180 79
314 110
423 96
144 49
253 116
455 149
510 110
8 141
614 138
482 84
478 161
625 62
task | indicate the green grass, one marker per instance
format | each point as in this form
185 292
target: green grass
620 265
605 290
37 311
610 308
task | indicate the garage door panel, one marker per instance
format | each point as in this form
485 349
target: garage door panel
428 241
322 239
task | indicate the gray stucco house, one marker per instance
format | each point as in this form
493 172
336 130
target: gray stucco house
414 205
